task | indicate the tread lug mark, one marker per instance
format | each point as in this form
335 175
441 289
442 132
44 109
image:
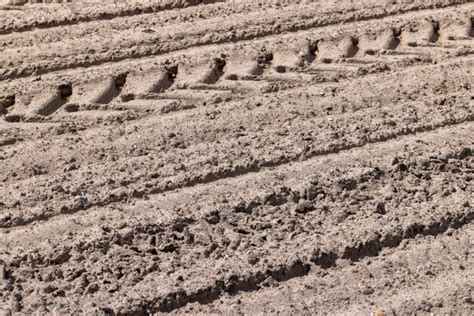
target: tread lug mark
427 32
334 50
387 40
242 67
470 26
50 102
291 59
348 47
103 92
201 73
6 102
456 30
141 84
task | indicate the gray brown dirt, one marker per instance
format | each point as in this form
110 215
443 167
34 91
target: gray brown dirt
236 157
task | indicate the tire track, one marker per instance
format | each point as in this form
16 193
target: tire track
330 136
186 103
328 91
274 67
219 38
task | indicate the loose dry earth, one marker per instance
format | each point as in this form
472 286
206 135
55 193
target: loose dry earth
309 157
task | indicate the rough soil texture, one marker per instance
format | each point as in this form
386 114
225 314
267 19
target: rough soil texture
237 157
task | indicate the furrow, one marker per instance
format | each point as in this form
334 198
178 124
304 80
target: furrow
313 225
80 202
106 14
404 279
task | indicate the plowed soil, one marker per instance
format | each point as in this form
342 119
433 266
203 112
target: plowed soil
236 157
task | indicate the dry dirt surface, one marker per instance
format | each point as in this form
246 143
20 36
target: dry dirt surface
236 157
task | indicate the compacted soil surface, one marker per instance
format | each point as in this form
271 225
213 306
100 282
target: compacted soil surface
236 157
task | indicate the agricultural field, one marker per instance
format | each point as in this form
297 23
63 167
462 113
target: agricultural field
236 157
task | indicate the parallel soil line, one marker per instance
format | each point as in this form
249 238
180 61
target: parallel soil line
299 268
157 50
257 167
156 7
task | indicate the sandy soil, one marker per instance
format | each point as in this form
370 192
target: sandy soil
236 157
